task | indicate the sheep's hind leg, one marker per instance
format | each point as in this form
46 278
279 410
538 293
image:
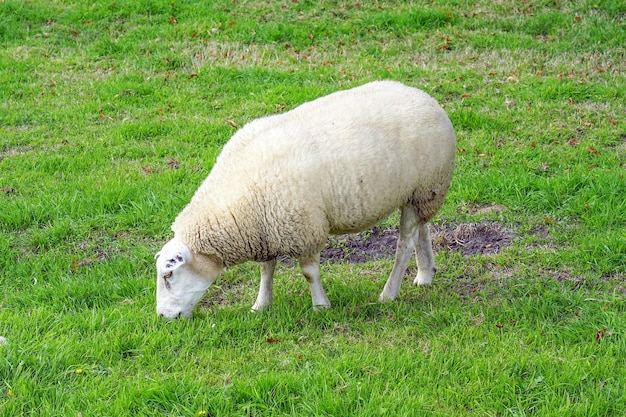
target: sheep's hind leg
404 252
426 266
311 270
266 292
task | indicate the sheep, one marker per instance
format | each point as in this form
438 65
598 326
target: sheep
282 184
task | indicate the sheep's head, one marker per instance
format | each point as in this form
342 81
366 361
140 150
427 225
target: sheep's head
182 278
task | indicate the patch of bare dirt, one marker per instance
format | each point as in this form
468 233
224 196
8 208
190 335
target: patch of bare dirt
361 247
6 152
484 238
482 209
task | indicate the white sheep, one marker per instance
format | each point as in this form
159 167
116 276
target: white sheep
282 184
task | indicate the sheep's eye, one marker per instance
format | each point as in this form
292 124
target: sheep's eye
167 276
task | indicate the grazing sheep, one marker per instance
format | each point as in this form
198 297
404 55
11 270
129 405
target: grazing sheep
282 184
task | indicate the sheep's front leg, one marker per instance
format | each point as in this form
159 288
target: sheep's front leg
425 260
404 252
266 292
311 270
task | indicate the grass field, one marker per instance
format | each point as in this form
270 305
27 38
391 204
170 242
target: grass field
113 112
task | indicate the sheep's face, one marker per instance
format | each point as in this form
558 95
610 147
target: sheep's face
182 279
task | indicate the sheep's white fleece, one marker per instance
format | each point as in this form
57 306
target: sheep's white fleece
334 165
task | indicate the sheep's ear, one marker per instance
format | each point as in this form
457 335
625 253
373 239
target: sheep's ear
175 261
172 256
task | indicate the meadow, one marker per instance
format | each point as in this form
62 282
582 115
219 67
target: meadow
112 113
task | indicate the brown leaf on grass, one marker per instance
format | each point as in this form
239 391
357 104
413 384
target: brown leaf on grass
272 340
173 163
612 121
147 169
173 20
591 150
232 123
600 334
574 142
446 43
79 263
103 116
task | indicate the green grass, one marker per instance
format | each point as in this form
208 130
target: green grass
112 113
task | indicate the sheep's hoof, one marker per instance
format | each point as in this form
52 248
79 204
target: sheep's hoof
259 308
384 298
422 280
